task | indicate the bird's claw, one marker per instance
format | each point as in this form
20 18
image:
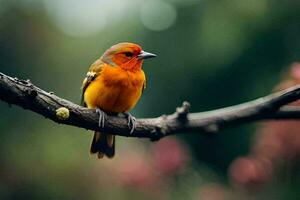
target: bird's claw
131 122
102 117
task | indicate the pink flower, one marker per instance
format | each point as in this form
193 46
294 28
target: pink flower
135 171
250 172
295 70
169 156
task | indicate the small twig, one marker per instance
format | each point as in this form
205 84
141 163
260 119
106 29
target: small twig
28 96
182 112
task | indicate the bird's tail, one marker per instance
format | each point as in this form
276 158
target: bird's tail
103 144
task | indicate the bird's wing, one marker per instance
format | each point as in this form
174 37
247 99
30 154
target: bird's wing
144 87
94 71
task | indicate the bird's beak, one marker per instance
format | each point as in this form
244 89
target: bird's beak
145 55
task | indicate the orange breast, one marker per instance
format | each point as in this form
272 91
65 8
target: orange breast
115 90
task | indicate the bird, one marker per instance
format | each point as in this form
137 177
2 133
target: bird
113 84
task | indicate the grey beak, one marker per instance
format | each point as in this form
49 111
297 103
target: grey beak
145 55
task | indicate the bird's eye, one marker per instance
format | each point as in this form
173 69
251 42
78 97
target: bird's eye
128 54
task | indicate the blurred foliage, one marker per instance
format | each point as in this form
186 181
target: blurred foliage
213 53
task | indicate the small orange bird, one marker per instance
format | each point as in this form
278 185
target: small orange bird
114 84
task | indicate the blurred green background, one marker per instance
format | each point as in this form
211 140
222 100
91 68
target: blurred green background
212 53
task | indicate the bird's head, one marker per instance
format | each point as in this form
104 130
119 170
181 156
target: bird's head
129 56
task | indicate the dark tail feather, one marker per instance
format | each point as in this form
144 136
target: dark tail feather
103 144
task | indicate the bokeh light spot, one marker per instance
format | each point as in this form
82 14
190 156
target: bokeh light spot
158 15
85 18
77 18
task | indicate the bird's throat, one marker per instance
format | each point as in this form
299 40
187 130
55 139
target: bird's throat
133 65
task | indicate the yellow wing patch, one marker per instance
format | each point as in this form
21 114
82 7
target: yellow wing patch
94 71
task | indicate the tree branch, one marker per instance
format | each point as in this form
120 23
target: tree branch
28 96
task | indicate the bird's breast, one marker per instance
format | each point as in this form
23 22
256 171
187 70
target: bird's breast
115 90
124 78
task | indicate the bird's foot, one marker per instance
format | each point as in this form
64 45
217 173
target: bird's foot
131 122
102 117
